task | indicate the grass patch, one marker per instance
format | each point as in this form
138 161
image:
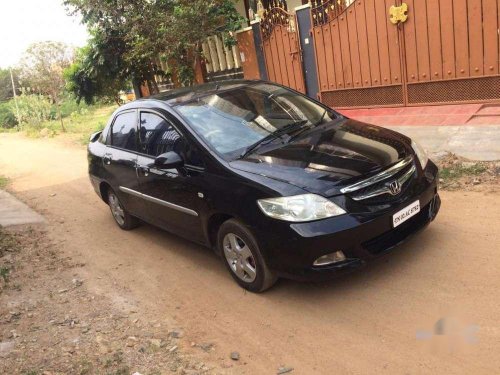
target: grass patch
4 181
7 243
80 124
4 273
462 170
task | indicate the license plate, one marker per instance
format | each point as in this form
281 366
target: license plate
406 213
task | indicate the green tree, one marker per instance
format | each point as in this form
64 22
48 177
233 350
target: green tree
99 69
41 69
6 84
7 115
146 29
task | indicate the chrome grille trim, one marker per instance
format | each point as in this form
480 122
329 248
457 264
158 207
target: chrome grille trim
385 189
378 177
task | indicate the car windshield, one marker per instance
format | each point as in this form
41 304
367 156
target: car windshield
232 121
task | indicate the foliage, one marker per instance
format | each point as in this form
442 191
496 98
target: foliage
71 107
40 109
6 91
7 115
33 109
141 30
459 170
3 181
99 71
42 65
4 273
79 125
41 69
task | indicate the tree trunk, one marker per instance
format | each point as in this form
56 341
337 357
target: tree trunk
137 88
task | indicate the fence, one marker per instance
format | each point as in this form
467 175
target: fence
221 62
368 53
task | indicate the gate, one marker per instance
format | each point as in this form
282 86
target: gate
392 53
281 47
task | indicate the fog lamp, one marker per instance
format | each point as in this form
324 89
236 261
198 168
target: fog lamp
332 258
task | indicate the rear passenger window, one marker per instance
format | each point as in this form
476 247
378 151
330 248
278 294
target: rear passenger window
123 133
157 136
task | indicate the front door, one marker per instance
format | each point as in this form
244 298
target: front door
170 196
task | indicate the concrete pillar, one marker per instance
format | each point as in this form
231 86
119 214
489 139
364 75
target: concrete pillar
308 54
248 53
259 51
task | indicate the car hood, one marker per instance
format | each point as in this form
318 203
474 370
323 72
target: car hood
329 157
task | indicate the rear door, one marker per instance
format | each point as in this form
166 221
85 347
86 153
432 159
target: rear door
120 159
171 196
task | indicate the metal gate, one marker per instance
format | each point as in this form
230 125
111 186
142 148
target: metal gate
281 47
392 53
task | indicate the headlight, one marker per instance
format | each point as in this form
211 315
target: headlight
307 207
421 154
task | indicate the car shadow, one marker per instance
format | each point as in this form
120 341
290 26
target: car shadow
404 258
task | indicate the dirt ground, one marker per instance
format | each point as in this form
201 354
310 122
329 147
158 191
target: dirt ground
86 297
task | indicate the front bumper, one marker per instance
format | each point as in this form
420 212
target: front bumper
291 249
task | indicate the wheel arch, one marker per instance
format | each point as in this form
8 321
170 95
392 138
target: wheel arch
103 190
214 222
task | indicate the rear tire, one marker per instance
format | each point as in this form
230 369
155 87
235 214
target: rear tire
242 257
122 218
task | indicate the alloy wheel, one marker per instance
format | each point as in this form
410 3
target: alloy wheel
116 209
239 257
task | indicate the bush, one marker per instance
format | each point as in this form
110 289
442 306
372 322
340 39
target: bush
69 107
34 109
7 116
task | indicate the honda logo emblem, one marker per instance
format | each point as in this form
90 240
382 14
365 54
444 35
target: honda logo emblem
395 187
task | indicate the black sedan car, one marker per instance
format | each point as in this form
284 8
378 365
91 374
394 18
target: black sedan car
276 183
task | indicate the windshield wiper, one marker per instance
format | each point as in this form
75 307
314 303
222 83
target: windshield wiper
306 128
276 134
321 119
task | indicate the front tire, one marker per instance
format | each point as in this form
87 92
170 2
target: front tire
122 218
242 257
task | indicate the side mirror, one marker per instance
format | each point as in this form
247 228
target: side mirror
169 160
95 136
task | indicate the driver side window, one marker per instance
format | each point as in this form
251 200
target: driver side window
158 136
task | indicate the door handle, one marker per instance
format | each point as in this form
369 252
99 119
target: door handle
107 159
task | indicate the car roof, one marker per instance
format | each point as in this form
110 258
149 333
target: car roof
185 94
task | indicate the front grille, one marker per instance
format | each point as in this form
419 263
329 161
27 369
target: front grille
378 193
397 235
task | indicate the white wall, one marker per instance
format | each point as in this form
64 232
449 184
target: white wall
292 4
240 7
